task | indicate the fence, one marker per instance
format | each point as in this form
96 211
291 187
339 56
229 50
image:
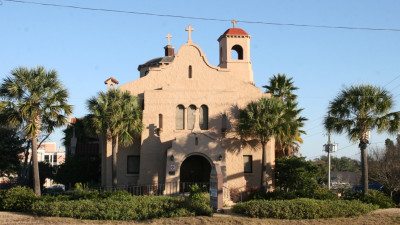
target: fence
170 188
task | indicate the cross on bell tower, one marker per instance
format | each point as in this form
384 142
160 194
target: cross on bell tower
234 22
189 29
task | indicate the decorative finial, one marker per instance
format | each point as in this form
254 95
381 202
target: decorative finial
169 36
234 22
111 82
189 29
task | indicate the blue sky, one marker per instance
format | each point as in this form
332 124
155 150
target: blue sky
86 47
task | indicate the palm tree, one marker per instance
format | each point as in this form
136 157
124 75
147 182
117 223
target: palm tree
115 115
358 110
263 120
282 87
36 102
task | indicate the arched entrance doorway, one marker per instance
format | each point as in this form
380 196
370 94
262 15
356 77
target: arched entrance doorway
195 169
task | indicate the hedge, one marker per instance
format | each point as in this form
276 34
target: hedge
135 208
92 204
121 205
302 208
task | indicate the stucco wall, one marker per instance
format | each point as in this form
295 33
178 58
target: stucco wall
223 90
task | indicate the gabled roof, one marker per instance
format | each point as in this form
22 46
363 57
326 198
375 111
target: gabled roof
112 79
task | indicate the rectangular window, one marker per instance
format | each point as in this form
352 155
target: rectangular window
133 164
47 158
55 158
248 163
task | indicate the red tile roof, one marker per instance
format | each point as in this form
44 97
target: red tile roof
234 32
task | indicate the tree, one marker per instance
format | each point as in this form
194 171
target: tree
385 166
83 130
79 169
357 111
10 150
116 115
282 87
35 101
340 164
262 120
295 174
46 171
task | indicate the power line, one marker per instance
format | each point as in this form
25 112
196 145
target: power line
391 81
205 18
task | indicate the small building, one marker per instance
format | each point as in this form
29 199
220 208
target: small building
48 152
190 110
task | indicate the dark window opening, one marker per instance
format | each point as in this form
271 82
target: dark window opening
220 54
203 120
142 104
133 164
191 117
190 72
237 52
248 163
180 117
160 121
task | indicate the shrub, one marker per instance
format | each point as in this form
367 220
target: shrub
19 199
112 208
199 202
302 208
78 194
117 195
372 197
317 193
324 194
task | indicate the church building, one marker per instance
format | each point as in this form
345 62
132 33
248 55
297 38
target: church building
190 110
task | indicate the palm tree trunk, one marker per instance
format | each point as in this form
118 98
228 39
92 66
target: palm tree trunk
36 180
364 166
114 161
263 182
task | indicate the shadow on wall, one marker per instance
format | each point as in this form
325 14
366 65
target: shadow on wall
220 128
158 159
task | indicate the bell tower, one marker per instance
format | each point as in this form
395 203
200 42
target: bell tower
234 52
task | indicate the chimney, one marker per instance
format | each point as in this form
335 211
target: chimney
169 50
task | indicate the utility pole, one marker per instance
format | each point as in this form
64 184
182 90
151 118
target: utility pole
329 148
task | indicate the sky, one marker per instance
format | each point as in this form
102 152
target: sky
86 47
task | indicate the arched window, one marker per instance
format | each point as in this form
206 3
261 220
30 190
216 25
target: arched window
237 52
203 121
180 117
191 117
190 72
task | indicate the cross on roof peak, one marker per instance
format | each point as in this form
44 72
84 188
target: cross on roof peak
189 29
169 37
